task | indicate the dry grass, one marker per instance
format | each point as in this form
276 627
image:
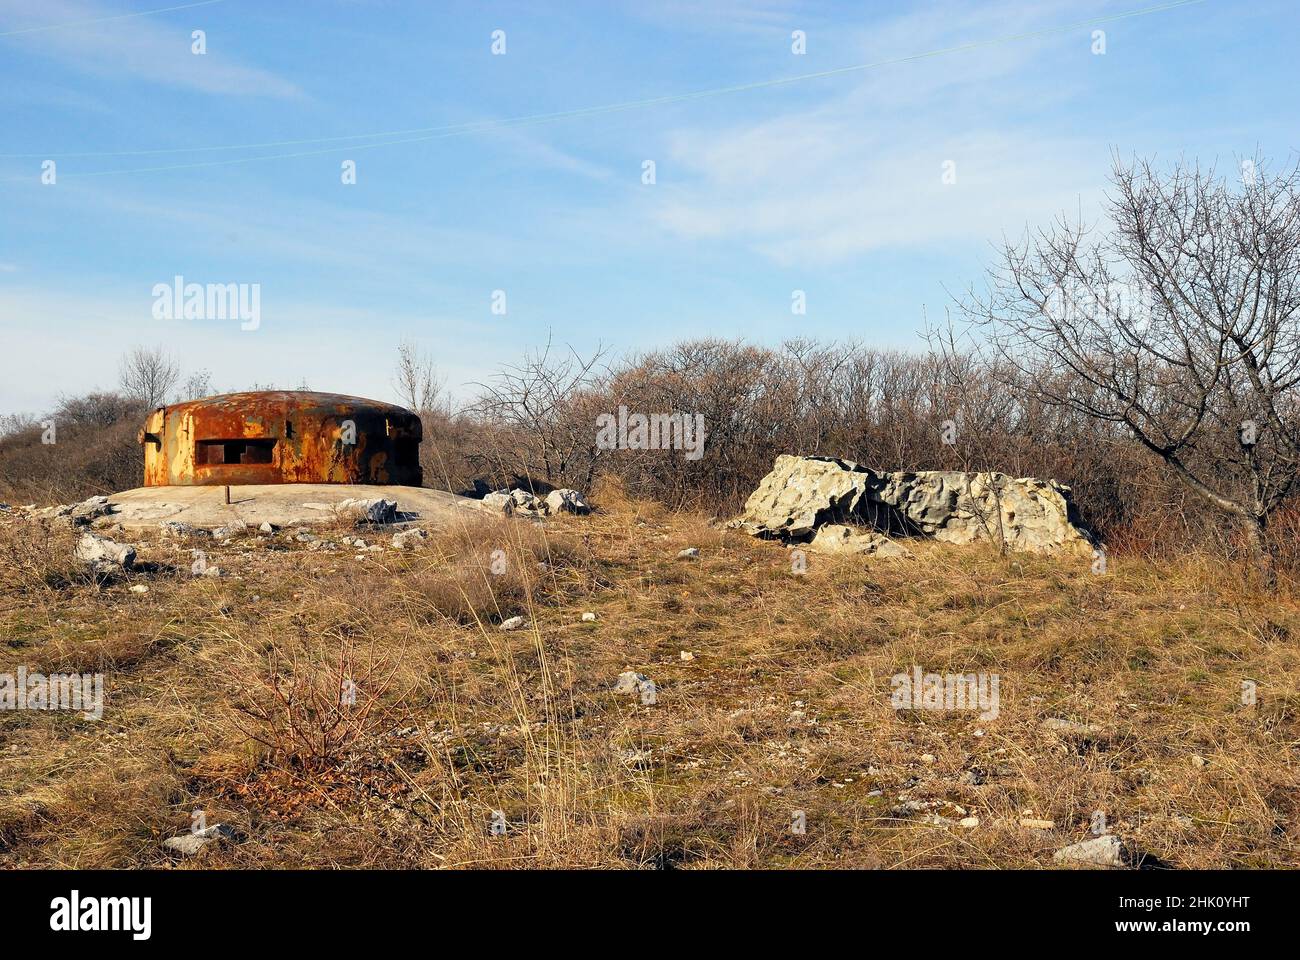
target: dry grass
218 690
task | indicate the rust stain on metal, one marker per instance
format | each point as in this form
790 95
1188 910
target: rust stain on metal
281 436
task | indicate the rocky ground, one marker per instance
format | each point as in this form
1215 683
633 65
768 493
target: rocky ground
665 692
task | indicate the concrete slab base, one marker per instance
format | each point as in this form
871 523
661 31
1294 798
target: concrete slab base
283 505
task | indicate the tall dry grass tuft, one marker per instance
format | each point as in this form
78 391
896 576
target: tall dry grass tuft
36 556
479 574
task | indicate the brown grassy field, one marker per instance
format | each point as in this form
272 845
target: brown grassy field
222 696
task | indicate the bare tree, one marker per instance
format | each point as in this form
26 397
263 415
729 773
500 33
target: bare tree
12 424
546 401
196 386
148 375
1178 324
416 379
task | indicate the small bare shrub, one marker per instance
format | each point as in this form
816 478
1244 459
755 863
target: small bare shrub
309 707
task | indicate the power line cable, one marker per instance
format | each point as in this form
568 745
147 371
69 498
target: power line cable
119 16
437 133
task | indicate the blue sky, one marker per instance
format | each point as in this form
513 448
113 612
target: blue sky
832 185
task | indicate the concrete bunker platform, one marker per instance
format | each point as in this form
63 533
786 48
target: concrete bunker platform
282 505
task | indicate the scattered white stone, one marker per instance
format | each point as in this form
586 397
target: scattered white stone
379 510
927 758
935 820
139 588
514 623
566 501
230 529
629 681
187 844
690 553
516 501
193 843
1107 851
687 655
1031 824
588 617
969 823
1058 725
104 555
267 527
88 510
500 500
1199 762
841 538
409 538
177 528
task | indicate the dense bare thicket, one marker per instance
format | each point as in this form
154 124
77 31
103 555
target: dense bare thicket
885 409
539 420
87 445
84 447
1178 325
941 409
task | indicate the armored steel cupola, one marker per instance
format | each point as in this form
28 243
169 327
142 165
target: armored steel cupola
281 436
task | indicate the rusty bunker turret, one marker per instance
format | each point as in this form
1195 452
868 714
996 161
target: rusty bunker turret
281 436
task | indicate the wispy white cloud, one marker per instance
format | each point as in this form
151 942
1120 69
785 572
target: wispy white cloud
533 148
861 169
403 248
156 50
725 17
818 192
